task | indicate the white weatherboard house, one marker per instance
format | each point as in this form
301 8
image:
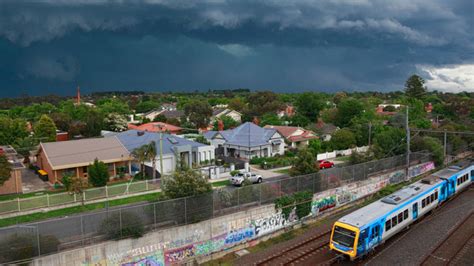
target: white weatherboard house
248 141
175 149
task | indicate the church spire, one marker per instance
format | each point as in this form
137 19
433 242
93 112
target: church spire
78 96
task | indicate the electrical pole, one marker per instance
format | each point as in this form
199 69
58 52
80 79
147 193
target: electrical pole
407 126
445 141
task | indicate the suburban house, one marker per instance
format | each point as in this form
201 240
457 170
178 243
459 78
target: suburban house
157 127
325 130
73 157
13 185
155 112
288 110
247 141
174 114
175 149
219 112
295 137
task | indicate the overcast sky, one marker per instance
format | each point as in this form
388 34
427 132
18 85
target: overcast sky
51 46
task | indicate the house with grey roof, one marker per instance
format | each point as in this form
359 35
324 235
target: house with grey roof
220 112
175 149
247 141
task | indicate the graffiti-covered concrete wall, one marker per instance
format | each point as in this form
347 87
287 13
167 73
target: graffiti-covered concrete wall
198 241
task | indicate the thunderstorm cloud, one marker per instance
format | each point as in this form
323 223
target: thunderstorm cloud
298 45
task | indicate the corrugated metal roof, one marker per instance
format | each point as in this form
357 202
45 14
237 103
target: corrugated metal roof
75 153
133 139
248 135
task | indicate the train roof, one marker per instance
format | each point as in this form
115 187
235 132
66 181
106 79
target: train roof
391 202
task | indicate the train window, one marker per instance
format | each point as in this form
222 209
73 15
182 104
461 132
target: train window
400 217
436 195
423 203
388 225
457 181
432 198
428 200
394 221
405 214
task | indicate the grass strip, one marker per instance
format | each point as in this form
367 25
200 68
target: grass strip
33 217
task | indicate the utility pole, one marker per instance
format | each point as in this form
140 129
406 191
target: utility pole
160 128
445 141
407 126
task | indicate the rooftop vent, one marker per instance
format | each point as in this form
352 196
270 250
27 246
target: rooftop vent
173 140
140 133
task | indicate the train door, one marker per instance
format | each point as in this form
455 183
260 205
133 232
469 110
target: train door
451 187
415 210
374 237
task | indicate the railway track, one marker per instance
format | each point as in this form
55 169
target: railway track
454 245
293 254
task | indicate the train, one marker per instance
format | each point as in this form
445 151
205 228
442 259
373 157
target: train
360 232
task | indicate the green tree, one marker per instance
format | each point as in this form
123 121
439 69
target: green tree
304 163
98 173
5 169
391 141
285 204
113 105
346 110
343 139
198 112
145 106
309 104
116 122
415 87
339 96
299 120
184 183
228 121
160 118
303 203
314 146
151 153
11 130
94 124
62 121
140 155
262 102
78 185
433 145
237 104
45 129
270 119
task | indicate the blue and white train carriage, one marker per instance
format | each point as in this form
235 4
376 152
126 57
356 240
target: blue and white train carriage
361 231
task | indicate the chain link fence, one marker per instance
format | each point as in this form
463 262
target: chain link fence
26 241
57 199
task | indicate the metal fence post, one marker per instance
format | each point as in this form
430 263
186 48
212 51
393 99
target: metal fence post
47 199
106 192
120 218
82 230
19 206
154 214
75 199
146 185
185 212
84 196
38 240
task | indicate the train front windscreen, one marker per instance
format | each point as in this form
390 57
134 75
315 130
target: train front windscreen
343 236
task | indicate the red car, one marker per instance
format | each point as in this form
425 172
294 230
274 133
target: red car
325 164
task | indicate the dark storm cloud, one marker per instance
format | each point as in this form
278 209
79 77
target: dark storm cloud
283 45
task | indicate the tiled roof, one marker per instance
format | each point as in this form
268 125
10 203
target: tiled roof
155 127
287 131
173 114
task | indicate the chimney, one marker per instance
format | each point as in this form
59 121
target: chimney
78 97
220 125
256 121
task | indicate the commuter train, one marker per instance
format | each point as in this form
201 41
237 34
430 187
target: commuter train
359 232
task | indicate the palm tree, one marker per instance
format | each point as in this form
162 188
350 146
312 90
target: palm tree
151 156
140 154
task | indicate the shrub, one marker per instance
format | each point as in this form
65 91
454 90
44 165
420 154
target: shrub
98 173
67 182
285 204
234 173
24 246
122 225
303 203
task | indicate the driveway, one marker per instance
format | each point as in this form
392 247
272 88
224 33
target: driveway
31 182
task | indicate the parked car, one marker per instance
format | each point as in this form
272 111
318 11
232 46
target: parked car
325 164
239 178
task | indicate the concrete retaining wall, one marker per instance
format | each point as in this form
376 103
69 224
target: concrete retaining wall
198 241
